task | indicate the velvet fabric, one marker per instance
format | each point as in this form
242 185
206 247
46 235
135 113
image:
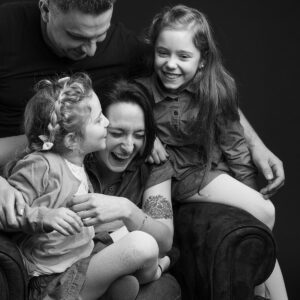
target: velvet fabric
13 276
224 252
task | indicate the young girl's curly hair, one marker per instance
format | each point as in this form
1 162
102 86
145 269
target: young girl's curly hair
55 110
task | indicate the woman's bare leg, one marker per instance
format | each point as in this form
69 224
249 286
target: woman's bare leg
124 288
136 253
275 284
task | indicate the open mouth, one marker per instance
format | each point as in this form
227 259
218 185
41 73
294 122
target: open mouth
120 157
171 76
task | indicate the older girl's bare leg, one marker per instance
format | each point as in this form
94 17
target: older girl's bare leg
227 190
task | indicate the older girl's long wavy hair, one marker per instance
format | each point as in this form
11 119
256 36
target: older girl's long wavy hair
216 89
55 110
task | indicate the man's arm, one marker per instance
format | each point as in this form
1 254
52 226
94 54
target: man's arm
12 205
10 146
267 162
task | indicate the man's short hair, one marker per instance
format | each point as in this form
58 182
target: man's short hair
93 7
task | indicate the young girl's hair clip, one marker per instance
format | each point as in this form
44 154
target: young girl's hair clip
47 145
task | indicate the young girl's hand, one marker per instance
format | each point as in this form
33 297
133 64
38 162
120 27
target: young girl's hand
63 220
159 153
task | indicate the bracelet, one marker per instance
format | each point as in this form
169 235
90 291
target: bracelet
144 221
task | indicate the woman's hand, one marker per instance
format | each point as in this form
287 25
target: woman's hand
158 154
270 166
12 204
63 220
98 208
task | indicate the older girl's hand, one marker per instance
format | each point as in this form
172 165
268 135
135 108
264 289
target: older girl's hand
158 154
98 208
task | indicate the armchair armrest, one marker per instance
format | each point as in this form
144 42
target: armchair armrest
225 252
13 276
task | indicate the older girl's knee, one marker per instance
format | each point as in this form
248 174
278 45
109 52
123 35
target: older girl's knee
269 214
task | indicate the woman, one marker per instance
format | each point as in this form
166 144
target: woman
119 170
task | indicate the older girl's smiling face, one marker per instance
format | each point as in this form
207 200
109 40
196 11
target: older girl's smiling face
125 137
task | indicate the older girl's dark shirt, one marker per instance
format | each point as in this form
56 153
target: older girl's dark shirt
175 114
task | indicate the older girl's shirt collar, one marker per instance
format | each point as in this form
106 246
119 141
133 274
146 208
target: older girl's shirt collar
160 93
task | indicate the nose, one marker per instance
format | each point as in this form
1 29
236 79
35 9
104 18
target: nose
128 145
106 122
89 48
171 62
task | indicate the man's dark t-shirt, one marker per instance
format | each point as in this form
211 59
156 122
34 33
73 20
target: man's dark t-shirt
25 59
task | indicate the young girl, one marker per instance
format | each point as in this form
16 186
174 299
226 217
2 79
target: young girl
63 123
196 112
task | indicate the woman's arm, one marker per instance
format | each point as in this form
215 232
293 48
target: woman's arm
156 217
267 162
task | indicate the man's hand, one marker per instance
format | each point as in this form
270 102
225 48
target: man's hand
12 204
63 220
271 167
158 154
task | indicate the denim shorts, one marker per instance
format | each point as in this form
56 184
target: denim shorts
66 285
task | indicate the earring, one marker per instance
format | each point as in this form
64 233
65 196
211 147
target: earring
201 66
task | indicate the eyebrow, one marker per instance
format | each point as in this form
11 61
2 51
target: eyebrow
185 52
83 37
123 129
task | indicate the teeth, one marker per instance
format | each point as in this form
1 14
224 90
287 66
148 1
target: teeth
171 76
120 156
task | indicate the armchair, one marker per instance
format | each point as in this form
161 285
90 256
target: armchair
224 253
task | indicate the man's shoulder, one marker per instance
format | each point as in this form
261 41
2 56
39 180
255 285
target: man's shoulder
120 28
121 35
145 81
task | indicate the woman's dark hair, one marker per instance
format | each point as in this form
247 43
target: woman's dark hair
125 91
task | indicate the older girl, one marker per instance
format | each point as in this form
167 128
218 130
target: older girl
196 112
